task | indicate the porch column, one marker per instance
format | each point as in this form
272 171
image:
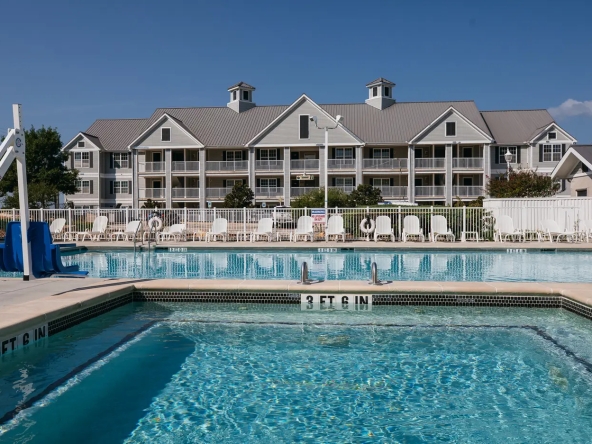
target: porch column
359 165
411 173
486 167
202 178
287 177
448 179
251 166
322 166
168 178
135 180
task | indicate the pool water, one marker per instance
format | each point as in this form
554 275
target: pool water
272 374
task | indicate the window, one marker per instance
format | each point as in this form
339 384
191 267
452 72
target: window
582 193
552 135
120 160
268 154
234 156
387 91
381 153
344 153
344 181
81 144
268 183
304 126
83 186
551 153
381 182
246 95
120 187
450 129
232 182
233 95
374 91
467 181
418 182
82 160
502 151
165 134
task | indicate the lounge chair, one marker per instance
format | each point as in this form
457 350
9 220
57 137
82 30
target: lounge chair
440 228
303 229
505 228
585 229
411 228
98 231
132 230
335 228
219 228
264 229
384 228
551 230
56 228
175 232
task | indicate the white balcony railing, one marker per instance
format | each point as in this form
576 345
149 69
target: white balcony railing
385 164
269 191
387 191
430 163
227 165
185 193
304 164
217 193
153 167
153 193
430 191
187 166
467 191
467 163
344 188
269 165
299 191
342 164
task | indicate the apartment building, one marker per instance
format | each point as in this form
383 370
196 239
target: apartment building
425 152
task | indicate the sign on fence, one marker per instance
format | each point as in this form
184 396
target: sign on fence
318 215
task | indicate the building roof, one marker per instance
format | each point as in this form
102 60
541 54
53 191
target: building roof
241 85
114 134
379 80
516 127
573 156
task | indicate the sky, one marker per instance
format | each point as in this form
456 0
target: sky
71 62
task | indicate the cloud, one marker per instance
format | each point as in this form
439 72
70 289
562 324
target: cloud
571 108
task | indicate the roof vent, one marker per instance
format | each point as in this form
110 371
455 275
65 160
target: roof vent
241 97
380 93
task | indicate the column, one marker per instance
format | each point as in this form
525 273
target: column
287 177
486 167
251 166
322 165
169 178
411 174
359 165
135 180
202 178
448 179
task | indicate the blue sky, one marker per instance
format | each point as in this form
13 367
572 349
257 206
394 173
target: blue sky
71 62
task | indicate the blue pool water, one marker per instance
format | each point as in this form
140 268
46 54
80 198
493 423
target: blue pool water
270 374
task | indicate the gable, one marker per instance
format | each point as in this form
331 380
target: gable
180 137
89 145
562 136
465 131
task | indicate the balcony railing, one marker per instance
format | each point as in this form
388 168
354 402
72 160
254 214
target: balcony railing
304 164
227 165
269 165
153 193
153 167
467 163
185 193
467 190
217 193
187 166
388 191
299 191
430 163
342 164
269 191
344 188
431 191
385 164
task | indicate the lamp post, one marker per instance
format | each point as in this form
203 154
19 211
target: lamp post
508 157
338 120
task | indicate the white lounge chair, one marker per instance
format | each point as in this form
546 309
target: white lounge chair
440 228
303 229
219 228
57 227
98 230
264 229
551 230
411 228
585 229
383 228
175 232
335 228
505 228
132 229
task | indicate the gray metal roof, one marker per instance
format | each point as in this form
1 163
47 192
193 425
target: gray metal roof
379 80
115 134
516 127
585 151
241 85
570 161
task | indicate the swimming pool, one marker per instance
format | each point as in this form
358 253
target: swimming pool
152 373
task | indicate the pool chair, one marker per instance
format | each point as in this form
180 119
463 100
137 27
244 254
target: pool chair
98 231
174 232
219 229
303 229
384 228
57 228
132 230
411 228
551 230
586 230
505 228
264 229
440 229
335 228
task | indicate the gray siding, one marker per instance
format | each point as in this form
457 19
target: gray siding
464 132
178 137
537 159
561 136
106 164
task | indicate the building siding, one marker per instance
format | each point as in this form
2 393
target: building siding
178 137
464 131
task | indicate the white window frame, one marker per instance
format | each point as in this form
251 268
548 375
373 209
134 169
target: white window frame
80 144
380 181
344 181
502 150
120 187
554 135
446 129
82 185
120 161
83 160
268 154
170 134
584 192
234 156
342 153
381 151
270 182
551 152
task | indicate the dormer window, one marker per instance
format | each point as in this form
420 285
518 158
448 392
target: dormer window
241 97
81 144
387 91
375 91
246 95
380 93
450 129
165 134
233 95
552 135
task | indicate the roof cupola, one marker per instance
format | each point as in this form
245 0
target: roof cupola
380 93
241 97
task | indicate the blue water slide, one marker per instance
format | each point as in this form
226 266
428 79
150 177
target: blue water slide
12 257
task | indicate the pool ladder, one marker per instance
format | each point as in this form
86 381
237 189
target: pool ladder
373 275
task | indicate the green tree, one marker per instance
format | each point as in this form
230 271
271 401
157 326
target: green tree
150 204
47 174
365 195
316 199
522 183
240 196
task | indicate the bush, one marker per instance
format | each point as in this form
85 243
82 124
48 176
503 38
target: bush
365 195
241 196
522 183
316 199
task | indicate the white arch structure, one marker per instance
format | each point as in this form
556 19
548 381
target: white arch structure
11 148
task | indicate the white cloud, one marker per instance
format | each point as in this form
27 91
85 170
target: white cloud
571 108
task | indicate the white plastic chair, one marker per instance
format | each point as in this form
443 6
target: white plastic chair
219 228
440 228
383 228
335 228
132 229
303 229
175 232
98 230
551 230
264 229
505 228
586 230
411 228
57 227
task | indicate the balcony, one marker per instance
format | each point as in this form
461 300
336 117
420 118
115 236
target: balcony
388 191
217 193
153 167
269 192
227 166
153 193
299 191
434 163
185 167
385 164
345 188
467 191
430 191
269 165
467 163
304 165
185 193
342 164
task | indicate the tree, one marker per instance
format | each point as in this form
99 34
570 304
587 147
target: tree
365 195
316 199
522 183
150 204
47 174
241 196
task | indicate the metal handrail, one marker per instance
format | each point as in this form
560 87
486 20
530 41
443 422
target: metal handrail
304 274
374 275
136 236
152 228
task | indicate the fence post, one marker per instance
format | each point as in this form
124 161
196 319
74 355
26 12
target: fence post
42 218
70 221
399 218
185 217
463 236
245 220
13 214
214 213
126 216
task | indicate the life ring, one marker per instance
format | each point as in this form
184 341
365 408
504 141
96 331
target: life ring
364 227
156 223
